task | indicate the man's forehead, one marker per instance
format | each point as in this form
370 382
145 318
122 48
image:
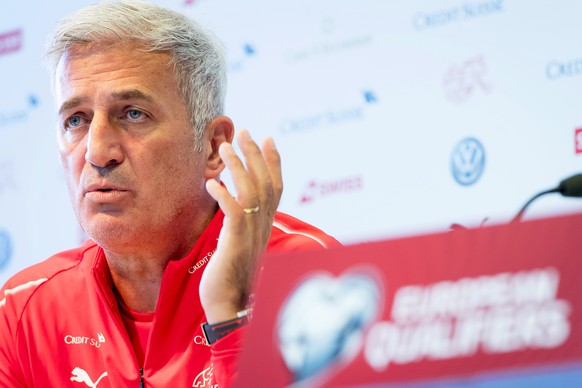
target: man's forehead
82 49
91 62
131 52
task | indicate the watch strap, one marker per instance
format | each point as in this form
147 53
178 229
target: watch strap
215 331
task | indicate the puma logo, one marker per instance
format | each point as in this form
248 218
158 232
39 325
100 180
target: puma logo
80 376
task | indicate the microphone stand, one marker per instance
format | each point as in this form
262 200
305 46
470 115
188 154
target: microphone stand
521 212
569 187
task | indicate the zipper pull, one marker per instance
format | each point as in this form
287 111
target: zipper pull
141 381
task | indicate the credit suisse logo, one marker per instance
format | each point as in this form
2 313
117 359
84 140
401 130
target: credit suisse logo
561 69
463 12
461 81
468 161
330 117
578 140
245 52
319 189
17 115
10 41
5 248
329 42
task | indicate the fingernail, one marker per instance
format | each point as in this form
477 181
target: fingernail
227 148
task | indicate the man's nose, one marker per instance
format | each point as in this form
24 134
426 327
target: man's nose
104 147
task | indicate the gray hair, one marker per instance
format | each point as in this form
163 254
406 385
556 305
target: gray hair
196 55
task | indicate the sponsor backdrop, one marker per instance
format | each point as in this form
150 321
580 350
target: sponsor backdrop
393 118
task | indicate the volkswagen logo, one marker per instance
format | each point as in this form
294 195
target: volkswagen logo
468 161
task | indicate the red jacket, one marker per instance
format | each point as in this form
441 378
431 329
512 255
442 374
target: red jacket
60 324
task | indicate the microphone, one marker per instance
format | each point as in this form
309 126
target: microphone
569 187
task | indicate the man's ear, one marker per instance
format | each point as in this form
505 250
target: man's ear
218 131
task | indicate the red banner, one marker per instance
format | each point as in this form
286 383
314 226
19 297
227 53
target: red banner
440 307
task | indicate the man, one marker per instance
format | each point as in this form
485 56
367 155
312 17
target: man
143 140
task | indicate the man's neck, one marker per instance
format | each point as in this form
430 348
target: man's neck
137 280
137 274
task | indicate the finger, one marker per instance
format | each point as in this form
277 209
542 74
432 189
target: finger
273 160
221 195
256 166
247 196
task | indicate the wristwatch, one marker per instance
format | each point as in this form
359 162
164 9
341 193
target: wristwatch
214 332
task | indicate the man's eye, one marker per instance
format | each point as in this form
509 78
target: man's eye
74 121
134 114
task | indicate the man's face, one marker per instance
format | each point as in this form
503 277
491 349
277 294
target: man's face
127 146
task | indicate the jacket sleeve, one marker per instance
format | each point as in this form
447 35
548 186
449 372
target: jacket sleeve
289 234
10 370
224 354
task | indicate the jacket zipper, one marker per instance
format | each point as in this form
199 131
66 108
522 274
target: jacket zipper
117 319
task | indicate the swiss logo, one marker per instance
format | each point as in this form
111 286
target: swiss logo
10 41
320 189
578 140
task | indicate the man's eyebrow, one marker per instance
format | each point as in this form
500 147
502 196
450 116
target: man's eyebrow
70 104
132 94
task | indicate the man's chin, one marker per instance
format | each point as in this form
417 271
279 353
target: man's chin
109 232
